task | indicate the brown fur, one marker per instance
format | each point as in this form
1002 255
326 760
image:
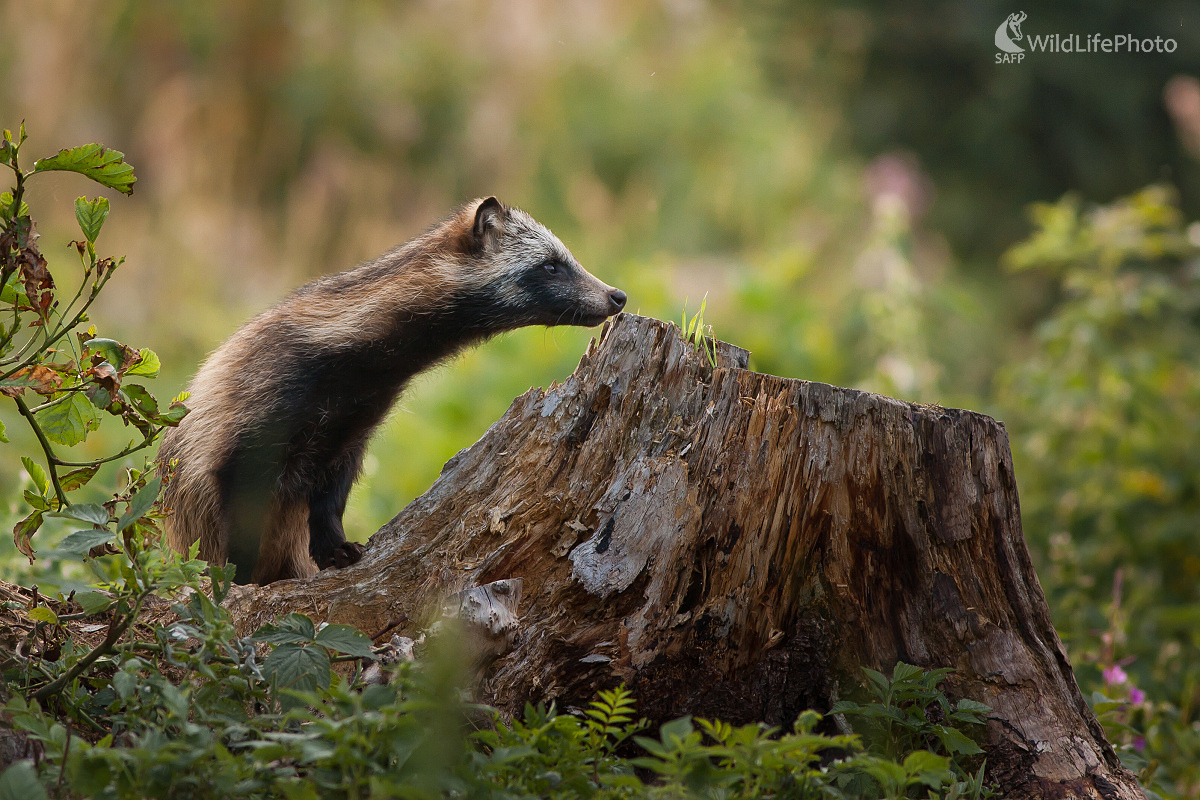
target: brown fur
281 413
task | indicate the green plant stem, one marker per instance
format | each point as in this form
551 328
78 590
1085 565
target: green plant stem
65 329
146 442
51 459
115 632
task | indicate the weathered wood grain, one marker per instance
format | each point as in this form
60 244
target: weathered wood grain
738 545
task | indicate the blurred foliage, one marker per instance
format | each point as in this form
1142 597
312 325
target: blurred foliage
1106 417
839 181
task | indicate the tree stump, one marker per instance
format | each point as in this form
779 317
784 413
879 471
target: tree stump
735 545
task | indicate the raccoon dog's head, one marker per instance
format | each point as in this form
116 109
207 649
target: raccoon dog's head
530 277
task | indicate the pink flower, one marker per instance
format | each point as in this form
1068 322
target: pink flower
1139 743
1114 675
1136 696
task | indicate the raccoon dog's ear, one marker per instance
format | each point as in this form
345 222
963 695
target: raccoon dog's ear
489 221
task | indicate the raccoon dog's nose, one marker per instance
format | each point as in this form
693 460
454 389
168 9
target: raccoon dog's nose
616 300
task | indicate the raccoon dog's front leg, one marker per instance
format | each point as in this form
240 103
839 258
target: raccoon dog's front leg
326 504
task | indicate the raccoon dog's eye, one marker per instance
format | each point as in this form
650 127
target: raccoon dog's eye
550 267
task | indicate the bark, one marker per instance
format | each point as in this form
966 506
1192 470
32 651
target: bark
735 545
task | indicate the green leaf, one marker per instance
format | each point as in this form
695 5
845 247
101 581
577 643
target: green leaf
69 421
140 504
924 761
292 628
973 705
905 672
955 741
20 782
142 399
93 602
345 639
85 512
83 541
90 214
147 365
37 474
881 683
3 435
36 500
845 707
106 167
43 614
6 201
295 666
676 729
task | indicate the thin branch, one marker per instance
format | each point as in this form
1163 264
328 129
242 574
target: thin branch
51 460
115 632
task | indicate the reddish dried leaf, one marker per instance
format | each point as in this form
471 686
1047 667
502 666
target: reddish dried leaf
41 379
106 376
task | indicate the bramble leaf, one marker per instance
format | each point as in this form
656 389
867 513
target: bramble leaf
93 602
106 167
292 628
85 512
345 639
83 541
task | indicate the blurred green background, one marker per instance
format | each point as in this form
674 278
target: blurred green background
851 186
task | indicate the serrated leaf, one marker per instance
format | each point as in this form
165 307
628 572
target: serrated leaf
147 364
93 602
878 679
90 214
35 471
973 705
85 512
69 421
905 672
42 614
20 782
106 167
140 504
24 530
292 628
345 639
83 541
955 741
298 667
